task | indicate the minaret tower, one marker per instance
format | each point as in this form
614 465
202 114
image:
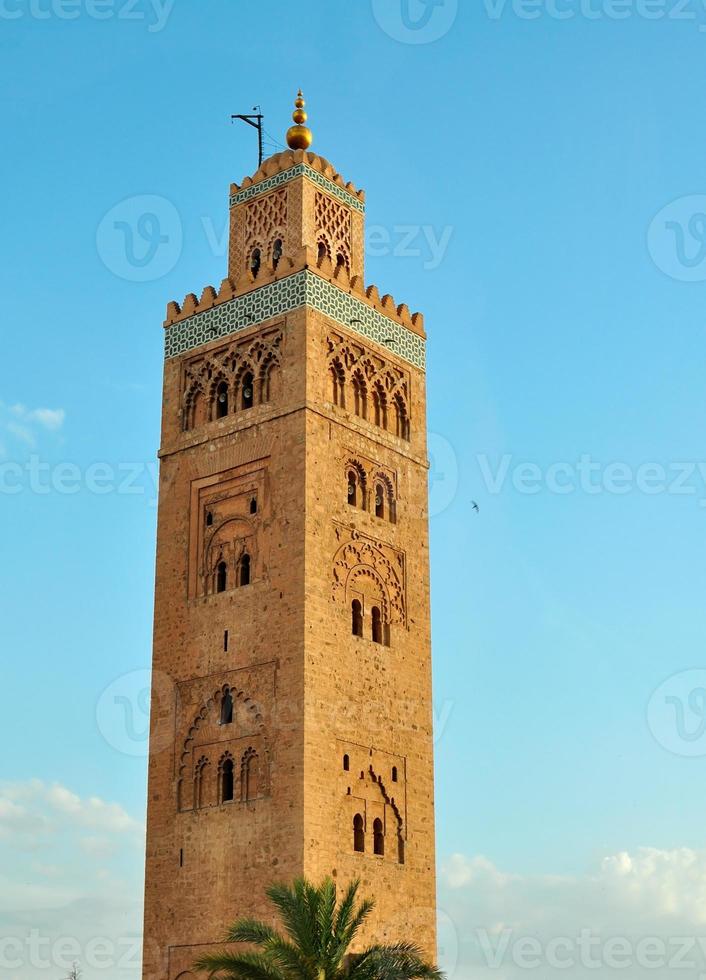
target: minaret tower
292 706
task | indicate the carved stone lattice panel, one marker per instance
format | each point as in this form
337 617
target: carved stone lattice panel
364 566
333 227
284 296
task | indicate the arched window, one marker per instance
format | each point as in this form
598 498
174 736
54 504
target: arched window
322 252
357 612
227 781
338 385
341 261
209 519
394 774
358 834
222 400
379 838
244 570
221 577
250 776
253 505
360 396
227 709
380 406
248 399
400 848
346 763
402 427
380 501
353 488
276 252
378 636
255 262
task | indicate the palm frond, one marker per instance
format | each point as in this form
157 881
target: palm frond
400 961
242 966
250 931
293 904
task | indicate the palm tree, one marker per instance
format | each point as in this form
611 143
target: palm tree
319 932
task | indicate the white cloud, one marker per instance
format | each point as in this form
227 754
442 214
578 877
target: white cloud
24 424
492 917
83 881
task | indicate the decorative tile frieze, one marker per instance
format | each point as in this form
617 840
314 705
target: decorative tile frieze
277 298
265 186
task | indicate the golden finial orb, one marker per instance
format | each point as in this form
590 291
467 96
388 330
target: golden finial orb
299 136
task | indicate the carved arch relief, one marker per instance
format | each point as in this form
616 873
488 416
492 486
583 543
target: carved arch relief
225 755
371 570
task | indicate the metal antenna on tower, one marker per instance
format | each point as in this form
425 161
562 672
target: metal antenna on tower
254 119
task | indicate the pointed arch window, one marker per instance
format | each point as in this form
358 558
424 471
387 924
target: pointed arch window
222 400
227 781
378 629
322 251
402 426
379 838
394 774
380 493
346 763
209 519
358 834
255 262
277 250
253 505
221 577
338 385
227 709
360 397
243 572
357 617
353 488
380 406
248 395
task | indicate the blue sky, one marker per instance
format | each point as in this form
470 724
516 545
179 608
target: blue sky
535 181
